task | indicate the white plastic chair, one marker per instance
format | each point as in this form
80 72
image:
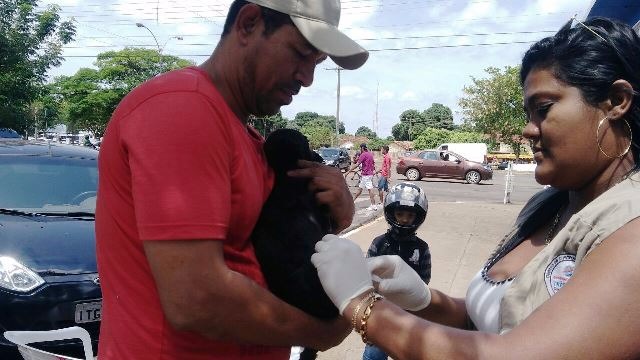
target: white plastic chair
22 338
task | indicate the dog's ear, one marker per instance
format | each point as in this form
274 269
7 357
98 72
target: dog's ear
284 147
314 156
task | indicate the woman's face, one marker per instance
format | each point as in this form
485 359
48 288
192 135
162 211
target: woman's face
562 129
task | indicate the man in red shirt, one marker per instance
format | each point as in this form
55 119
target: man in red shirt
385 172
182 182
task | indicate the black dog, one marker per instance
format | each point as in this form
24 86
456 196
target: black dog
290 224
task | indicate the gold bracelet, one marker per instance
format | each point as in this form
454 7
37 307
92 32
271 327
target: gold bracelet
365 318
355 313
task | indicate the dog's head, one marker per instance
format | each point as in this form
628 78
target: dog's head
285 147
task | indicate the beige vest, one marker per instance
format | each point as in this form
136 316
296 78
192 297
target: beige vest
550 269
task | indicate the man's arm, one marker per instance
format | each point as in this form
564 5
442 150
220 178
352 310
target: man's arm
200 294
353 167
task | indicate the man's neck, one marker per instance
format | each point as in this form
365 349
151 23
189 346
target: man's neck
222 76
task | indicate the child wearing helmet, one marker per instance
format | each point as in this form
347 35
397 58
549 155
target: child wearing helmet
405 209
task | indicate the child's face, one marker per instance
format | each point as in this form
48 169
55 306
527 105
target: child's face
405 217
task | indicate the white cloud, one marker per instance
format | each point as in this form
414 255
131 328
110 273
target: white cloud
409 96
352 91
407 78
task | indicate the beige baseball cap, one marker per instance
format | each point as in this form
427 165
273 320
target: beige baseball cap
318 20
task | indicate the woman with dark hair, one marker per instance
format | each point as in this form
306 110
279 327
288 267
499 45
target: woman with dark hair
564 283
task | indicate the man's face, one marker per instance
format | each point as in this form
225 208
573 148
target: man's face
279 64
404 217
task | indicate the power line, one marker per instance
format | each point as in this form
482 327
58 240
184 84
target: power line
370 50
365 39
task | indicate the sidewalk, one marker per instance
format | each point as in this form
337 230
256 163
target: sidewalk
461 237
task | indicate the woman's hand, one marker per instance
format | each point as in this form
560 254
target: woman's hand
342 270
398 282
331 189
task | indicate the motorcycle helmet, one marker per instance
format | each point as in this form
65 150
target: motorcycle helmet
405 196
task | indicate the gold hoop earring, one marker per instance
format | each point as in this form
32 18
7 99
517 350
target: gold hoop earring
600 146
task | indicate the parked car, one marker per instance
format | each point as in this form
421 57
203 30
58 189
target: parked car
48 272
335 157
6 133
503 165
442 164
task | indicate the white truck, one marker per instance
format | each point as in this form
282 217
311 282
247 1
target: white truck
472 151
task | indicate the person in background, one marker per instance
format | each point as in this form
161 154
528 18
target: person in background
368 168
405 209
385 172
176 206
356 172
564 282
87 142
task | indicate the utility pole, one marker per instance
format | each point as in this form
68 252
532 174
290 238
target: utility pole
338 69
376 120
35 115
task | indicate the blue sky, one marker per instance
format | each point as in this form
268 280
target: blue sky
422 51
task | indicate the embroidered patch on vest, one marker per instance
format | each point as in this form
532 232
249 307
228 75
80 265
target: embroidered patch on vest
558 272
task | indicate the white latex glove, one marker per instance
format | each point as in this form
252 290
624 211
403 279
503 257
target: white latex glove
342 269
398 282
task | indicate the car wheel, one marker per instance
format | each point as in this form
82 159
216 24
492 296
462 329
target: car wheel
473 177
412 174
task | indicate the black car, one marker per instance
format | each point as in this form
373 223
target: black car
6 133
503 165
48 272
335 157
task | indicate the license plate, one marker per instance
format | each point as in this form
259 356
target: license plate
88 312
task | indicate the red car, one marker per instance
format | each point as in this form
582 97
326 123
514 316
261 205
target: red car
442 164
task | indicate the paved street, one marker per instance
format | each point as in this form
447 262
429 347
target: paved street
460 235
453 190
463 226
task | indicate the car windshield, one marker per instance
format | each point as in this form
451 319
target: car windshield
48 184
328 153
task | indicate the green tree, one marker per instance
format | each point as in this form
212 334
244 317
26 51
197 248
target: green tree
366 132
303 118
438 116
45 111
89 97
30 44
125 69
266 125
400 131
493 106
466 137
411 124
430 138
377 144
318 134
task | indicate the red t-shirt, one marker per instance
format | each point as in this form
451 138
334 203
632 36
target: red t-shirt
175 164
386 165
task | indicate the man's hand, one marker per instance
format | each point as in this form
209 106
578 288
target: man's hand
331 189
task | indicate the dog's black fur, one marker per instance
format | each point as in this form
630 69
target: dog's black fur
290 224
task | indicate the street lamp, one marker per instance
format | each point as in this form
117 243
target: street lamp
141 25
160 49
172 37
